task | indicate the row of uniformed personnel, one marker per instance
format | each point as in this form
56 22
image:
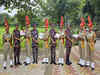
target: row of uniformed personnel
9 47
86 45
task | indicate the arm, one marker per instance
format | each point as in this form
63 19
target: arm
3 38
11 41
94 37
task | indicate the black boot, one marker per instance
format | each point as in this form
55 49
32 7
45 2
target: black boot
25 63
5 67
54 62
11 66
92 69
18 59
68 62
36 62
19 63
51 60
15 62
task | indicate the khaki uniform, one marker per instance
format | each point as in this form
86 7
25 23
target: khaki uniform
91 46
7 47
46 45
27 44
82 46
61 48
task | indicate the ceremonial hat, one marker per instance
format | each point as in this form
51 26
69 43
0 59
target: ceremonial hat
61 22
90 24
46 23
27 20
82 22
6 22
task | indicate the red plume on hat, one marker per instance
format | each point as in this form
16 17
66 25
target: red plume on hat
61 22
27 20
6 22
46 23
82 22
89 22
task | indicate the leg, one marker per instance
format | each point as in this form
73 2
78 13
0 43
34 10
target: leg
87 56
33 52
68 50
51 54
28 60
92 60
11 55
80 50
5 56
37 55
18 56
83 56
54 55
66 55
15 56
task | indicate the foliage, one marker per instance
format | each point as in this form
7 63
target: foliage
52 9
38 10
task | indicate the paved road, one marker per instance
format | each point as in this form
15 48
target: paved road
48 69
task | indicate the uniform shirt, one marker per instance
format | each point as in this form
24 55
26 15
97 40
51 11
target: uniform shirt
81 34
68 34
16 34
46 36
27 35
6 37
91 38
52 34
61 38
34 34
